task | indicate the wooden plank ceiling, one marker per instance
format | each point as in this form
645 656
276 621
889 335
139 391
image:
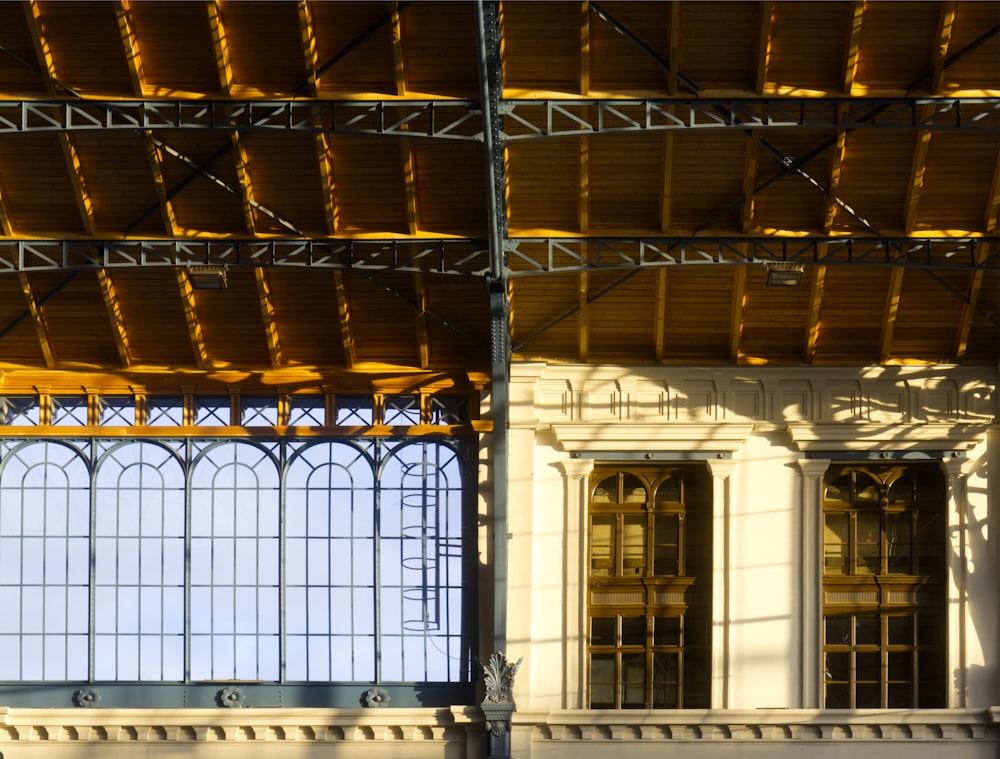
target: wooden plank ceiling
299 326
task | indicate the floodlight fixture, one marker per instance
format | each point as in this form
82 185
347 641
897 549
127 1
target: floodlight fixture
208 277
783 273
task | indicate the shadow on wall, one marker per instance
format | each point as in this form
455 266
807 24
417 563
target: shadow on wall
980 682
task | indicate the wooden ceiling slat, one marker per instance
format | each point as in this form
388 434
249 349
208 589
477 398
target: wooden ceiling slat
889 317
114 310
853 48
812 320
38 320
736 319
344 320
269 317
130 44
764 46
194 324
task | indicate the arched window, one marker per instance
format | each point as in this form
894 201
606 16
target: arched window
650 588
883 586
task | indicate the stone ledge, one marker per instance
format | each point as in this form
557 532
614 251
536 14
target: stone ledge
239 725
778 725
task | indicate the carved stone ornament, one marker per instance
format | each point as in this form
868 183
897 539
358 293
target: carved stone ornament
376 698
497 717
231 696
498 674
87 697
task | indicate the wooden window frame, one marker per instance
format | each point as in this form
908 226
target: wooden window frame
639 600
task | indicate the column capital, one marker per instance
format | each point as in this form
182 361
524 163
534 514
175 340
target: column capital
813 467
957 466
576 467
721 468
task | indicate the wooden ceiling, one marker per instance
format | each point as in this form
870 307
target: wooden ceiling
356 235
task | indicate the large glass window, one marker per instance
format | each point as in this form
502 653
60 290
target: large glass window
883 586
193 560
649 588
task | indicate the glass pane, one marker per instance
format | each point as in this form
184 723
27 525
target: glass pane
868 666
901 491
664 680
835 544
839 489
867 629
633 491
901 666
669 490
260 411
900 696
602 681
666 631
838 667
838 696
930 543
402 410
900 631
633 631
868 544
866 489
602 540
602 631
307 411
665 553
634 545
897 537
868 697
838 630
606 490
633 681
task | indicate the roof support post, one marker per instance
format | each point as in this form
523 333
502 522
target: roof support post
488 34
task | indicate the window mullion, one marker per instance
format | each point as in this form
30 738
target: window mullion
188 469
92 577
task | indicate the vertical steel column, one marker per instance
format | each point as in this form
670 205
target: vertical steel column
490 80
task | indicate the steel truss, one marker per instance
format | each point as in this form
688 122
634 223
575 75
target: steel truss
523 256
444 256
525 119
528 257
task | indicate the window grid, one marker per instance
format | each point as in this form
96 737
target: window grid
883 574
649 601
307 411
218 616
20 411
68 410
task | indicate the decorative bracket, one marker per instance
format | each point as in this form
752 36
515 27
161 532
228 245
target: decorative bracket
498 705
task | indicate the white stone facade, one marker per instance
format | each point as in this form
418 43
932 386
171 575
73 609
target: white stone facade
766 435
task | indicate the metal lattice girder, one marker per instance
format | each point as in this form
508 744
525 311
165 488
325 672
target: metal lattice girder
443 119
462 256
545 255
527 119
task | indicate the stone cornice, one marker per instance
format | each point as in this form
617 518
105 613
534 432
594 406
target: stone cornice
762 725
854 437
637 438
97 725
